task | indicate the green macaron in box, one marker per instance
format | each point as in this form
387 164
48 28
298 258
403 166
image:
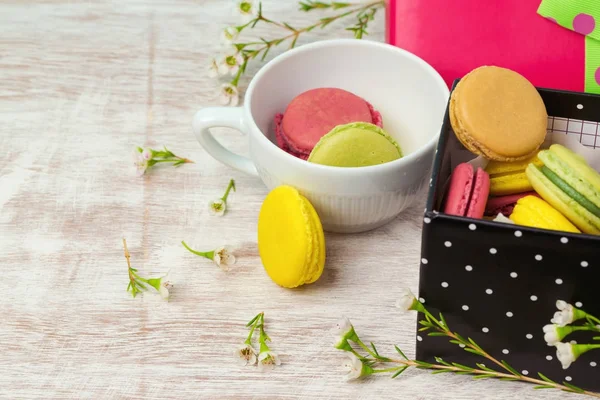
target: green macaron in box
511 286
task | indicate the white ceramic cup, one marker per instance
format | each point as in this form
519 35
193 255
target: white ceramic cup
410 95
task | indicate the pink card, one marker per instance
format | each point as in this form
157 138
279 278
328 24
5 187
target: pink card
460 35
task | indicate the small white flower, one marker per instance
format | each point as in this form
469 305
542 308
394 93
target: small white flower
355 366
565 354
223 257
213 68
565 315
552 334
267 360
344 327
407 300
245 354
501 218
229 95
562 318
230 62
217 207
343 332
162 285
140 162
248 9
147 154
163 290
229 34
562 305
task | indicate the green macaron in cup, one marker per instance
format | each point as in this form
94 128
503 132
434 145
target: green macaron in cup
570 185
358 144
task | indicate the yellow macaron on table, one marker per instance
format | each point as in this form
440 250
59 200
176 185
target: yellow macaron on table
291 242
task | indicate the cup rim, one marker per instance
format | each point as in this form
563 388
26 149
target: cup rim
380 168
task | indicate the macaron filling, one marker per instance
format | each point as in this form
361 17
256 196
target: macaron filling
570 191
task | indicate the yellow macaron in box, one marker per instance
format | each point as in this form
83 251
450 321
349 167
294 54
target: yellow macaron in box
291 242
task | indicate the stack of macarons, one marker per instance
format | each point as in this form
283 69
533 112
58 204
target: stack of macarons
498 115
331 126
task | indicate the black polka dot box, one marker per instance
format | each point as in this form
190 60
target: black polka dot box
511 287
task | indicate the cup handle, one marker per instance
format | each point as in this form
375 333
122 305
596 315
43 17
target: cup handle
229 117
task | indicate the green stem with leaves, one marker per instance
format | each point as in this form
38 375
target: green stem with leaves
229 187
253 324
136 283
484 372
263 337
439 327
591 319
166 155
206 254
364 13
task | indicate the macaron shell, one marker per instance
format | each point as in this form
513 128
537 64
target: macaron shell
316 263
578 215
508 178
504 204
459 190
577 162
479 195
510 184
315 112
355 145
536 213
290 240
282 140
574 171
497 113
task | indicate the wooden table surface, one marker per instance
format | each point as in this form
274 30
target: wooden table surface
82 82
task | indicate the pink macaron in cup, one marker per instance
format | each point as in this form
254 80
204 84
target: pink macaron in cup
379 83
314 113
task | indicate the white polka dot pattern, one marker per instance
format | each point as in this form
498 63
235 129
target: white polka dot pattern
500 289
